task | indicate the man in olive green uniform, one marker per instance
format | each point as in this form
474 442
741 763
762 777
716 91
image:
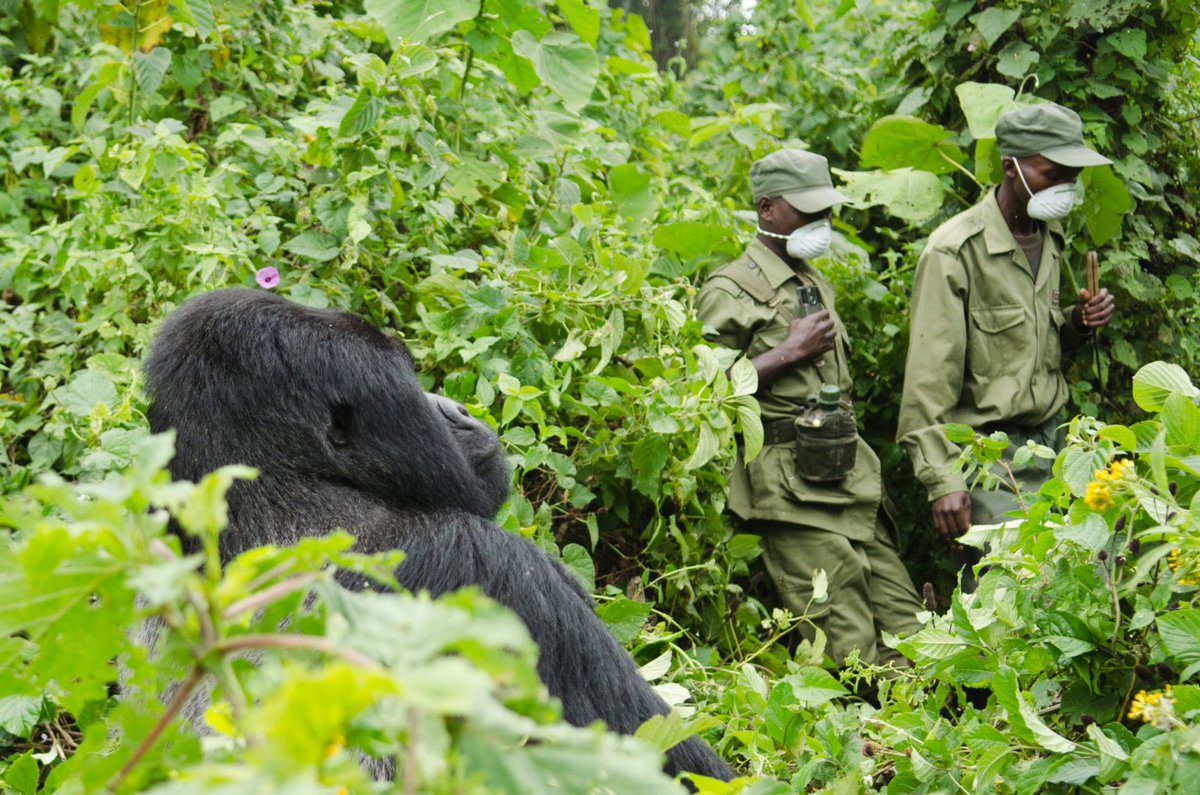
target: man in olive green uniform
987 329
753 305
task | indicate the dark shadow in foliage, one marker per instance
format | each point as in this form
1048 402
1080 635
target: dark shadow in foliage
328 409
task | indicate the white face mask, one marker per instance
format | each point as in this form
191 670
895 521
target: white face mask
807 242
1050 204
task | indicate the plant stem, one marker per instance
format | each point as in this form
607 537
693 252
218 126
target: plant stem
301 642
181 697
268 595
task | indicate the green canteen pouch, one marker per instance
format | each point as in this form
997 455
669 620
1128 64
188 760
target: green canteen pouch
826 444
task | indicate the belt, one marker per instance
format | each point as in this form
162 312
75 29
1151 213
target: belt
779 432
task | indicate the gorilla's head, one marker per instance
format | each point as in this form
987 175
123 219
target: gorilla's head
312 398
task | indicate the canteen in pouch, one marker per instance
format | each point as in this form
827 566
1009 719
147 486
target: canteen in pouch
826 438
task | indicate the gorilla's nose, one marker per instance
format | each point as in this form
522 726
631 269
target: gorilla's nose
454 412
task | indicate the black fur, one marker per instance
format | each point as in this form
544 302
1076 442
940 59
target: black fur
329 410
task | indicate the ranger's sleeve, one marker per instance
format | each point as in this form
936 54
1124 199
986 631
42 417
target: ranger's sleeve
933 373
721 310
1070 338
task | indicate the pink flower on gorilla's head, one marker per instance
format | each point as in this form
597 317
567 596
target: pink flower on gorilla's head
267 277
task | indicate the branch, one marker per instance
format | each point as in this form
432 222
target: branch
302 642
181 697
268 595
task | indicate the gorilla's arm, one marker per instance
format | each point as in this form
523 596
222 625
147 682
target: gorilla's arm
579 660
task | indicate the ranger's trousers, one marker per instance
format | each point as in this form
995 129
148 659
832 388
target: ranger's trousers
869 588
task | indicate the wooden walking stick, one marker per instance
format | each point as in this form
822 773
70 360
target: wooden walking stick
1092 262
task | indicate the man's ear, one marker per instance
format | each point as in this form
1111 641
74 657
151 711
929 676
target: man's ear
765 207
1008 165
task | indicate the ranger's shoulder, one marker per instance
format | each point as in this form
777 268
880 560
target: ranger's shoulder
954 233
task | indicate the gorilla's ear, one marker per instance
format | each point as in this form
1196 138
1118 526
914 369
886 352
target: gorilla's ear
341 423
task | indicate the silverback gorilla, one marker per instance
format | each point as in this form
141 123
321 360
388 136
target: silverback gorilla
328 409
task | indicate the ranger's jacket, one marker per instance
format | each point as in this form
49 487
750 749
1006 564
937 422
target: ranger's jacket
986 341
748 305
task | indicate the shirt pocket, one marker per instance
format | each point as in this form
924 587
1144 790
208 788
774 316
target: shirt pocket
1003 341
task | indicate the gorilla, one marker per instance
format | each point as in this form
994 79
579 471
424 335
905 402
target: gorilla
328 409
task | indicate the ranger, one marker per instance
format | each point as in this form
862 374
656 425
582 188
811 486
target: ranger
814 494
988 331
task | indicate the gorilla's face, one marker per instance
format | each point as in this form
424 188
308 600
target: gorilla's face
314 397
479 444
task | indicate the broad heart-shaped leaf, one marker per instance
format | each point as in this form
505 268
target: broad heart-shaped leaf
1153 383
906 193
197 13
1105 202
691 238
982 104
418 20
815 686
583 19
907 142
314 245
930 645
1079 468
563 62
85 390
993 22
150 68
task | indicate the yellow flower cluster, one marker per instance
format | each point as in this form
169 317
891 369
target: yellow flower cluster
1118 470
1099 492
1098 497
1157 708
1175 560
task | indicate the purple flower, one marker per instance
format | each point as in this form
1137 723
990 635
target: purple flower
267 277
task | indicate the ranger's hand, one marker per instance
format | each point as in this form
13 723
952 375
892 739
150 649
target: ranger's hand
1093 311
809 337
952 514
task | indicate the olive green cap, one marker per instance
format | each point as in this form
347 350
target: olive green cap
801 178
1046 129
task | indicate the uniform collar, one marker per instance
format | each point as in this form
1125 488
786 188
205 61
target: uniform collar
773 268
997 235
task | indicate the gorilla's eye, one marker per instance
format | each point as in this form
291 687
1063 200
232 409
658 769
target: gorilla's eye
341 422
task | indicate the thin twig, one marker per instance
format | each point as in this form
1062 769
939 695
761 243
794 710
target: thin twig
181 697
301 642
268 595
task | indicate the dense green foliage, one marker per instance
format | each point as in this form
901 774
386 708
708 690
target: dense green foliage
516 190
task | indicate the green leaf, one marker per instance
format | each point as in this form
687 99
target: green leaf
197 13
1079 468
629 187
583 19
1017 59
649 458
911 195
908 142
1130 42
1153 383
750 427
1180 633
691 238
958 433
18 714
993 23
361 116
87 389
982 104
579 562
418 20
931 645
1106 200
22 775
706 448
1091 533
1181 417
314 245
664 732
624 618
564 63
150 68
1123 437
83 104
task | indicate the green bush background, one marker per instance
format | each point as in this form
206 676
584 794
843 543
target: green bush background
521 194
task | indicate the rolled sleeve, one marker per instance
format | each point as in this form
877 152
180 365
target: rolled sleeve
724 315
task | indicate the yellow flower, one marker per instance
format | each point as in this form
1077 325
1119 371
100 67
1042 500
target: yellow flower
1157 708
1175 561
335 745
1098 497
